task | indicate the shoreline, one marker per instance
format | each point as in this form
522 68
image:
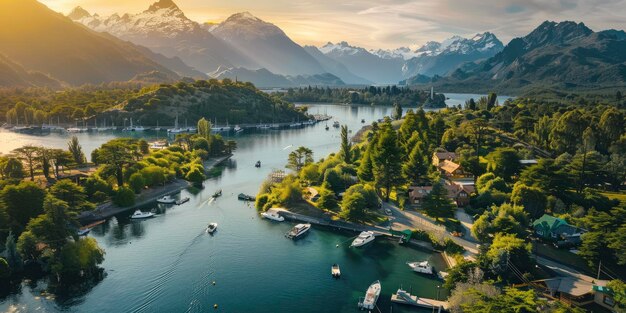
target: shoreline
108 209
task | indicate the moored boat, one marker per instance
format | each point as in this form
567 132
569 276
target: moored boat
83 231
298 231
335 271
211 228
421 267
363 238
272 215
183 200
238 129
166 200
141 215
217 193
258 164
245 197
371 296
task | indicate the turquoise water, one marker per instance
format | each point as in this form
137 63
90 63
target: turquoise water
169 264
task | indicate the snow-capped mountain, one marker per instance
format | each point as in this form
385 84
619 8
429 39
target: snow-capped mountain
165 29
364 63
267 45
404 53
436 58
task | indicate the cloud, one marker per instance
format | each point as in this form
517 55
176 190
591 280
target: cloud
387 23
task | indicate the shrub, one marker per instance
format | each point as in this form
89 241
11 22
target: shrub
124 197
261 200
136 182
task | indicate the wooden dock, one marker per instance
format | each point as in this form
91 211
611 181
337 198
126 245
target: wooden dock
421 302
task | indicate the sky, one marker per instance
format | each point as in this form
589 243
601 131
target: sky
385 24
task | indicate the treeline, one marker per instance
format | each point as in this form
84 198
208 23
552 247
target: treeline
371 95
224 101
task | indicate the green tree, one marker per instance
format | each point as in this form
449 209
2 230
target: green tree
204 128
5 271
504 162
532 199
568 131
353 206
346 147
68 191
507 249
387 166
437 203
76 150
541 133
78 259
12 168
144 147
619 294
511 301
327 200
310 173
12 256
124 197
299 158
27 246
397 111
612 124
365 170
29 155
196 175
415 169
22 202
116 155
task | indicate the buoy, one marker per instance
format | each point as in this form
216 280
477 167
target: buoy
215 306
213 283
337 245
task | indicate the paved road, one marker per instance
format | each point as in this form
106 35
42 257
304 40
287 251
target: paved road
467 222
415 220
563 270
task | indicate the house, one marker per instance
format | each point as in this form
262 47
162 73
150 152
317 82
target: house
418 193
578 292
453 170
439 157
558 230
460 193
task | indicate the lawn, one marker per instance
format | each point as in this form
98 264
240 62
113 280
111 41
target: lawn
621 196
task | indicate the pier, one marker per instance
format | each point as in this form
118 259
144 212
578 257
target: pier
403 297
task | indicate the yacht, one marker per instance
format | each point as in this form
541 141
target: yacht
363 239
335 271
211 228
140 215
177 129
133 128
166 200
298 230
421 267
371 296
272 215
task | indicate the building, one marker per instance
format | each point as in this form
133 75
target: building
453 170
418 193
577 292
557 230
458 193
439 157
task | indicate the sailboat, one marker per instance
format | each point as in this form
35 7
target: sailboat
176 129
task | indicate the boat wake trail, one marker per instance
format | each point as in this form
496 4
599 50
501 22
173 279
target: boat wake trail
163 278
287 147
200 291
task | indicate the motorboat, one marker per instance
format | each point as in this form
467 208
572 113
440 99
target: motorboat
217 193
183 200
245 197
421 267
363 238
140 215
263 126
335 271
224 129
298 231
362 121
166 200
83 231
336 124
238 129
258 164
371 296
272 215
295 125
211 228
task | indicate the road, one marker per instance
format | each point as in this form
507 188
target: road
563 270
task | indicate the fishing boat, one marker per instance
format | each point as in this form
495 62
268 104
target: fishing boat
245 197
83 231
371 296
166 200
336 124
335 271
258 164
421 267
217 193
272 215
298 231
211 228
363 239
183 200
141 215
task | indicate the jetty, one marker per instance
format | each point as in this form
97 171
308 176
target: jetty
403 297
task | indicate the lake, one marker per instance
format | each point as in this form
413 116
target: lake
169 263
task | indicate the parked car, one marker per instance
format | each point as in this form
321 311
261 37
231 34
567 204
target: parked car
388 212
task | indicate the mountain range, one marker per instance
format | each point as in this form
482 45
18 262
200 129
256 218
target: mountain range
561 55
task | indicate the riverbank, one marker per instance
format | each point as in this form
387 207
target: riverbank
109 209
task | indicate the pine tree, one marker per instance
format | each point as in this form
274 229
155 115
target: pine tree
365 171
204 128
346 153
12 256
437 204
387 159
416 167
397 111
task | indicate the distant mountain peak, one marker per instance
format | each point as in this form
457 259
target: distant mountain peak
162 4
244 16
550 32
78 13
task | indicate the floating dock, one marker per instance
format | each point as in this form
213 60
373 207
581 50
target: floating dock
403 297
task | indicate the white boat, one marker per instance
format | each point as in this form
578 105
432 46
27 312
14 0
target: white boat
335 271
166 200
298 231
238 129
263 126
421 267
76 130
211 228
295 125
139 215
272 215
371 296
83 231
133 128
363 239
